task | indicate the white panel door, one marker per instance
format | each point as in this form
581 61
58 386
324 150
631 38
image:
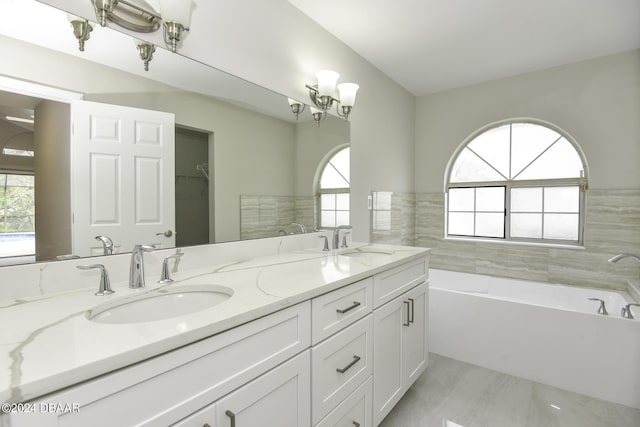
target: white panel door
122 177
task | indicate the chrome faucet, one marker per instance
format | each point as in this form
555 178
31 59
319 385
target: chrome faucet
626 310
601 309
618 257
136 270
336 234
165 277
302 228
105 284
107 244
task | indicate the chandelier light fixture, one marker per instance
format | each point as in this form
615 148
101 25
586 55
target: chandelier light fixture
139 16
322 93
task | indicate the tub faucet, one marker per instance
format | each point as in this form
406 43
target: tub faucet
336 234
618 257
107 244
302 228
602 309
626 310
136 270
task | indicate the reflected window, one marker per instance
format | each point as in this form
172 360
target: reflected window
17 215
334 189
519 181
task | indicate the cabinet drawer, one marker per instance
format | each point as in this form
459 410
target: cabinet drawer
340 308
339 365
169 387
354 411
395 281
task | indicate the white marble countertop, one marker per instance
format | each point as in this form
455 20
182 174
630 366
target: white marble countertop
48 342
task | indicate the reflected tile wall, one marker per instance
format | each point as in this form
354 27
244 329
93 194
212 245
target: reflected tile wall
270 216
612 226
393 218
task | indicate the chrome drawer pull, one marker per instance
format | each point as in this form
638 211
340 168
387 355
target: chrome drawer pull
412 313
407 303
232 416
351 307
357 424
346 368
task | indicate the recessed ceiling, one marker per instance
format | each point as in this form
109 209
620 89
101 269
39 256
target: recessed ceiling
434 45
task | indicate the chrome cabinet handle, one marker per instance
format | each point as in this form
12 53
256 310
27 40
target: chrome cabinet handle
167 233
357 424
351 307
231 416
411 316
346 368
407 323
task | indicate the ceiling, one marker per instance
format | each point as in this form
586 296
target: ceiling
430 46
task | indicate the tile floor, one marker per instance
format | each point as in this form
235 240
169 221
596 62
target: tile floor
472 396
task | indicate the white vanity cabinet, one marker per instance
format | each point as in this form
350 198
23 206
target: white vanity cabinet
400 345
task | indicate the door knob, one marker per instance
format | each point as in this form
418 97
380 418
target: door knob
167 233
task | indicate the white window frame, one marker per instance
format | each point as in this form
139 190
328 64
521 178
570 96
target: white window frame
320 191
581 183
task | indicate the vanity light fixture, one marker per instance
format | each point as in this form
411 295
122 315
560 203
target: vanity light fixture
322 94
297 107
139 16
81 29
318 115
146 51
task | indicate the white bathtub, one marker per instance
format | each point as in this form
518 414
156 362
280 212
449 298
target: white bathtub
542 332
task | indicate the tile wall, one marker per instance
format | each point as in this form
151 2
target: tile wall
612 227
270 216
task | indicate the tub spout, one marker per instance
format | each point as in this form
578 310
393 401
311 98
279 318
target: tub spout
602 309
618 257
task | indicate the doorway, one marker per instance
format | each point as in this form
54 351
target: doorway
192 187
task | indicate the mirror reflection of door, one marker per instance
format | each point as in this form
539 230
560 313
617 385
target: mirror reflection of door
123 177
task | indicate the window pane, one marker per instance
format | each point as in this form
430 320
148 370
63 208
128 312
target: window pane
528 141
461 199
526 225
493 146
461 224
327 201
327 219
332 179
341 161
561 226
342 218
382 220
490 224
562 199
526 199
382 200
470 168
560 161
490 199
342 201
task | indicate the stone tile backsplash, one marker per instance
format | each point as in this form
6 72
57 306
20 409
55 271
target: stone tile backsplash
612 226
270 216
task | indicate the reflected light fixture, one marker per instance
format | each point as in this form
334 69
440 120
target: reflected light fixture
81 29
297 107
146 51
322 93
318 115
139 16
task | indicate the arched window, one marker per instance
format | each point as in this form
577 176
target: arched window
333 190
517 181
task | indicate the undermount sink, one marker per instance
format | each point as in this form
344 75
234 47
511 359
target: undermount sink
163 303
366 253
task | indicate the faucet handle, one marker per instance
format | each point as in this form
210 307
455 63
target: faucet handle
326 242
626 310
344 240
602 309
144 248
165 277
105 284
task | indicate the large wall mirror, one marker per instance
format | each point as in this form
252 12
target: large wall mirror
244 167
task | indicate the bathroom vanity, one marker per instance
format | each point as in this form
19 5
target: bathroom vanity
306 338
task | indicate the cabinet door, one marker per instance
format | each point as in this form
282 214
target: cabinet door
415 336
280 397
387 356
203 418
